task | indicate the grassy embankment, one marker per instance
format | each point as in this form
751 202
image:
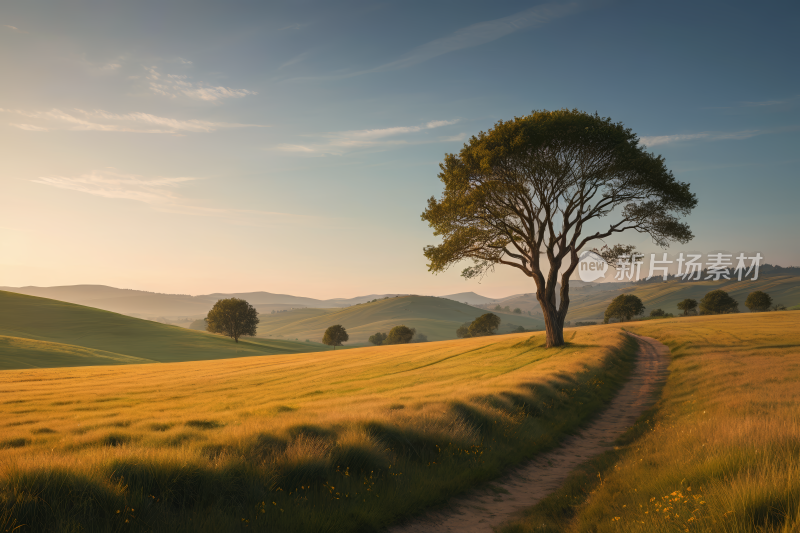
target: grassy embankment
438 318
42 333
721 451
340 441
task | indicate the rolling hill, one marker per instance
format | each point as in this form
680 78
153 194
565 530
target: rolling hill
43 333
438 318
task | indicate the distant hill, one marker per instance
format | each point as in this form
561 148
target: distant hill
470 298
177 307
438 318
43 333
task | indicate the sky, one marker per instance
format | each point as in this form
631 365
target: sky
290 147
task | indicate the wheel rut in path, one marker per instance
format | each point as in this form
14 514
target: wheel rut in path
489 506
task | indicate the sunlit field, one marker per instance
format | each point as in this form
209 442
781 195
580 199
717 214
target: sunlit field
349 440
720 453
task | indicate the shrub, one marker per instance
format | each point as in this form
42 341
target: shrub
400 335
718 302
758 301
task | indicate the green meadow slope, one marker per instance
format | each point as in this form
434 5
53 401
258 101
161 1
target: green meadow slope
42 333
784 289
438 318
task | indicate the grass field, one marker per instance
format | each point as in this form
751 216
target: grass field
720 453
345 441
438 318
42 333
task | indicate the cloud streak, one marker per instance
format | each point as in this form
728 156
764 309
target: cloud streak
160 193
337 143
99 120
705 136
174 85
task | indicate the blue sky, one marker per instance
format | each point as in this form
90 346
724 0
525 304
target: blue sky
199 147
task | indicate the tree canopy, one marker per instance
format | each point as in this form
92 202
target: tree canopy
400 335
335 336
688 306
624 307
232 317
718 302
484 325
378 338
758 301
525 194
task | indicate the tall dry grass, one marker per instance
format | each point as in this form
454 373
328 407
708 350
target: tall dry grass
334 441
722 451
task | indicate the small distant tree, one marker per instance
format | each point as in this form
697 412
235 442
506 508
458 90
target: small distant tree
498 308
779 307
232 317
758 301
718 302
378 338
463 331
484 325
517 311
420 337
624 307
335 336
199 324
507 309
657 313
400 335
688 306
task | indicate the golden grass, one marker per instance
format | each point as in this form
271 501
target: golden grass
366 435
721 453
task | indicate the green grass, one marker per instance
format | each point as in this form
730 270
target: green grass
438 318
42 333
345 441
720 452
591 304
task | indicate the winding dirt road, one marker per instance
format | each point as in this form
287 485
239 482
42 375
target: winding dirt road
507 497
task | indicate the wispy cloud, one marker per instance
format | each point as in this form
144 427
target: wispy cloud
29 127
477 34
13 28
705 136
174 85
99 120
160 193
340 142
485 32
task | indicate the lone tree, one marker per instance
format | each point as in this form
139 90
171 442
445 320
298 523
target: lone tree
688 306
624 307
758 301
484 325
718 302
335 336
658 313
232 317
400 335
527 193
378 338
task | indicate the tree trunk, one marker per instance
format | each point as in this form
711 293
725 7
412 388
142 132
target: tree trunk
553 325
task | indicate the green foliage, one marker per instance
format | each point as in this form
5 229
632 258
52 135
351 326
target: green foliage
233 317
658 313
517 311
498 308
378 338
463 331
718 302
505 195
400 335
688 306
335 336
758 301
624 307
484 325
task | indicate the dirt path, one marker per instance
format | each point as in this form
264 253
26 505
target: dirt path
487 507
